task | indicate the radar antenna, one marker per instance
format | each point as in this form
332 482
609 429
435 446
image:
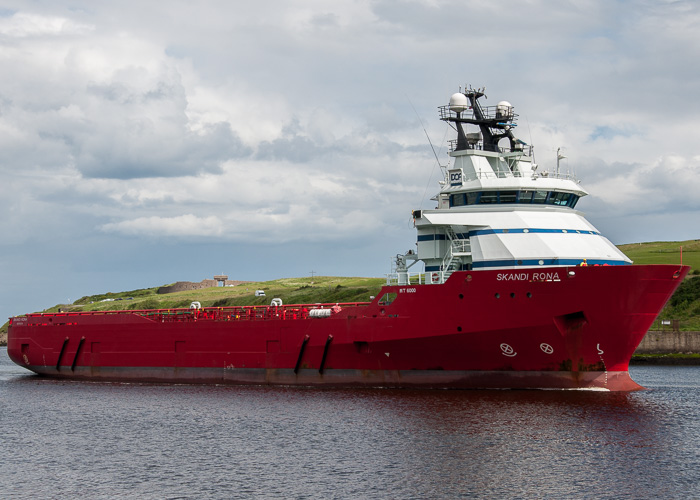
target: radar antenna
494 122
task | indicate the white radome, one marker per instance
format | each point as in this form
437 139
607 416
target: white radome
504 108
459 102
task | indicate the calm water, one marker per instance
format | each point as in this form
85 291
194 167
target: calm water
100 440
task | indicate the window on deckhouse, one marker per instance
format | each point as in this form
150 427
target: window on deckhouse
509 197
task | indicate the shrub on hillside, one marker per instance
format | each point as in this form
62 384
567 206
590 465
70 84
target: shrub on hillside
687 292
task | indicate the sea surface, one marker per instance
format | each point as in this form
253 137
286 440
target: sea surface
107 440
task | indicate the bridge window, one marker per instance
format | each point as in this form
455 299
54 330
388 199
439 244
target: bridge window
559 198
457 200
507 196
489 197
540 197
525 196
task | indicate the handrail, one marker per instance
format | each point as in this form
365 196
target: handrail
395 279
523 149
225 313
488 112
544 174
457 247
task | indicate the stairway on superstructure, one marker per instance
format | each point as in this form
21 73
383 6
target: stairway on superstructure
459 247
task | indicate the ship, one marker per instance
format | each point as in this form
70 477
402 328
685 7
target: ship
513 289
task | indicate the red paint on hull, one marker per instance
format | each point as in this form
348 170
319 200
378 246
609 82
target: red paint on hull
481 329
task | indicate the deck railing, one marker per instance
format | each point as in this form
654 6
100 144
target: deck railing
405 278
228 313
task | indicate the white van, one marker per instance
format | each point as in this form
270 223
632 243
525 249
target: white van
259 293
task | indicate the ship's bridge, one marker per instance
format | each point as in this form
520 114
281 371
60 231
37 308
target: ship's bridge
496 209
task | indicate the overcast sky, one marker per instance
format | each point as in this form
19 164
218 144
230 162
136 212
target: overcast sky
143 143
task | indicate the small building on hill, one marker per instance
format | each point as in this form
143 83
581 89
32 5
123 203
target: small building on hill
219 280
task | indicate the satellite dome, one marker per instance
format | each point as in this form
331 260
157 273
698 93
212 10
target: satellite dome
504 108
459 102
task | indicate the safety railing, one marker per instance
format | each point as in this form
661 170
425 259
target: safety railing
228 313
405 278
490 174
521 150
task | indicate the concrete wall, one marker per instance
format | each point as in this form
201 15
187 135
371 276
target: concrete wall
656 342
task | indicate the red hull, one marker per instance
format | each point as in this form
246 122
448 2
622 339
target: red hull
532 328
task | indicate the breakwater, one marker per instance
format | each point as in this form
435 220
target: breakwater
669 342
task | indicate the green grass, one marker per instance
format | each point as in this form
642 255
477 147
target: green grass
685 303
673 355
683 306
676 358
664 252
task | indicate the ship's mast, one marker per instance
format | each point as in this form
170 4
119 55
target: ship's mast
495 123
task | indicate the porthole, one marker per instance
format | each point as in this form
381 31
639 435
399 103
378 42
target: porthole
529 295
498 295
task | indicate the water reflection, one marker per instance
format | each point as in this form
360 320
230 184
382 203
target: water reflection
158 441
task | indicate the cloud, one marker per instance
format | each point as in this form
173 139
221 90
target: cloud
112 107
276 201
126 128
673 181
28 25
606 132
668 186
182 225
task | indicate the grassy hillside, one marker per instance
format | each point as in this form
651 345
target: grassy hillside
684 306
664 252
290 290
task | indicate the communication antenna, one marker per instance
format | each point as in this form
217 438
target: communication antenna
425 131
559 158
437 160
532 146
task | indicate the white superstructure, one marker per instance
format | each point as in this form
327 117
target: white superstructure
495 210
